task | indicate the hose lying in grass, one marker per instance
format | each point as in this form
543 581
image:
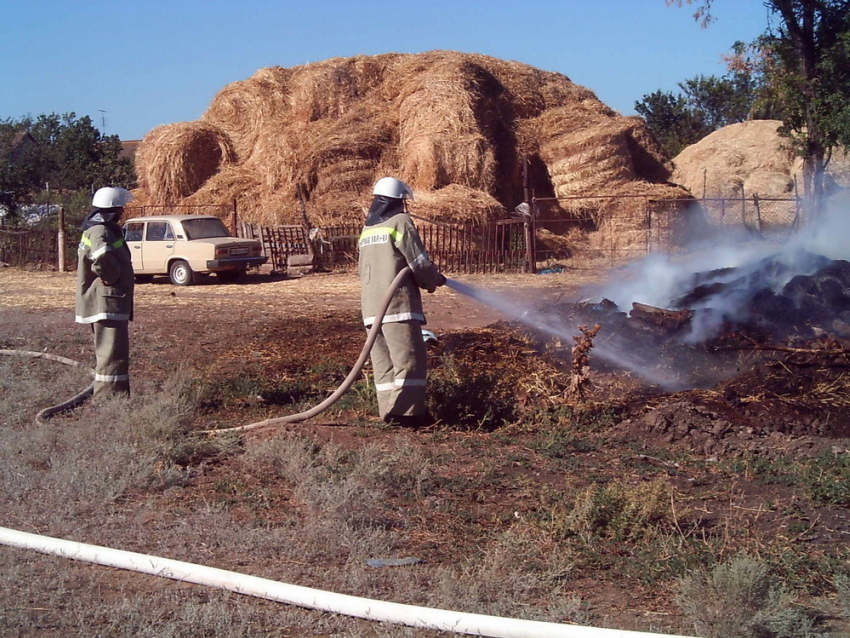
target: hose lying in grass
370 609
347 382
70 404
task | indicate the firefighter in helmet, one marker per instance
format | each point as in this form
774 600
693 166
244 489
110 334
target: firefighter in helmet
388 243
104 296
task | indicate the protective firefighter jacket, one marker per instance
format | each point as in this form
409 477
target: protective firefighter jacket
387 244
104 276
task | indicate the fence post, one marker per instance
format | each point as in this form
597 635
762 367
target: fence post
530 252
233 218
60 237
756 203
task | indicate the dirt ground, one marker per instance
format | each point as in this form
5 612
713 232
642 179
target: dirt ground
779 405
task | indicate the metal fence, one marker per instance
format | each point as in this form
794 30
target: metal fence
581 232
285 246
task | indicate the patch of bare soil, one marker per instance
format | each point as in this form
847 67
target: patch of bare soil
779 405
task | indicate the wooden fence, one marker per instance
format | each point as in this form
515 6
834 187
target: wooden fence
28 246
454 248
577 232
285 246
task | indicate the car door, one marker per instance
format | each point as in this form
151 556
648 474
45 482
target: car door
158 246
133 234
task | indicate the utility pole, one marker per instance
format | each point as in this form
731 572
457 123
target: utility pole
102 121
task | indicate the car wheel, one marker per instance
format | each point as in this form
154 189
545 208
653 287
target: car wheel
181 273
230 276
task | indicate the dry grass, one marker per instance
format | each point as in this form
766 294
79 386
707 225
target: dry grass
440 120
549 519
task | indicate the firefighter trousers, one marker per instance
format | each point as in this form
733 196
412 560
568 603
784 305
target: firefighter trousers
400 364
112 350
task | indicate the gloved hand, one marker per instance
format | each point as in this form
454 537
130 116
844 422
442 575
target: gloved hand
441 281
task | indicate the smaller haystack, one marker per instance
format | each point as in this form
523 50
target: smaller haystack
748 158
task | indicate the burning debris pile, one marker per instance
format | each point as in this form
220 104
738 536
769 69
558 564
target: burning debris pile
753 352
764 304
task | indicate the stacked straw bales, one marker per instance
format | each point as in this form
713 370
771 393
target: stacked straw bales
454 126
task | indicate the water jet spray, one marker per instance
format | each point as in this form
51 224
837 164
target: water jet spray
616 354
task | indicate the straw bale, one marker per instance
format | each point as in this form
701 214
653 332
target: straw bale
234 182
331 88
440 137
175 160
248 110
589 160
459 204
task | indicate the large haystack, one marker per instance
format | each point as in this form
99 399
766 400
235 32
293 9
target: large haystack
749 156
454 126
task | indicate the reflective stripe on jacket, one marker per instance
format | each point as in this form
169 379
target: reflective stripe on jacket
385 249
104 276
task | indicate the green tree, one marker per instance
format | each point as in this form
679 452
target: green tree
75 155
671 120
805 60
65 151
705 104
19 170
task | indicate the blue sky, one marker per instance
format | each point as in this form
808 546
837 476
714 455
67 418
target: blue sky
152 62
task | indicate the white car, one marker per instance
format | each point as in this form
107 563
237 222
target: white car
184 247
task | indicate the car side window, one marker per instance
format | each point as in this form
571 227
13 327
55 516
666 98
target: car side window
133 231
159 231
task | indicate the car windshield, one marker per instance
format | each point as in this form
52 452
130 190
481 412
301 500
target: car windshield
204 228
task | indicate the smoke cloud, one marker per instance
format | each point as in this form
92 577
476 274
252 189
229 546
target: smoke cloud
737 264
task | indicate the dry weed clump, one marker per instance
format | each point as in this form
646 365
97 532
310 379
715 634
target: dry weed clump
615 511
740 598
86 461
439 120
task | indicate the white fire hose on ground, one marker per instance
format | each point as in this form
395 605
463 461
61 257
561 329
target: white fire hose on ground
370 609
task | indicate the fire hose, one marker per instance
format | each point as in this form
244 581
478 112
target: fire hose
347 382
310 598
80 398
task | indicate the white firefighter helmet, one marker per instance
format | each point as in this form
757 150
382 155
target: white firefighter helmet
111 197
392 187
